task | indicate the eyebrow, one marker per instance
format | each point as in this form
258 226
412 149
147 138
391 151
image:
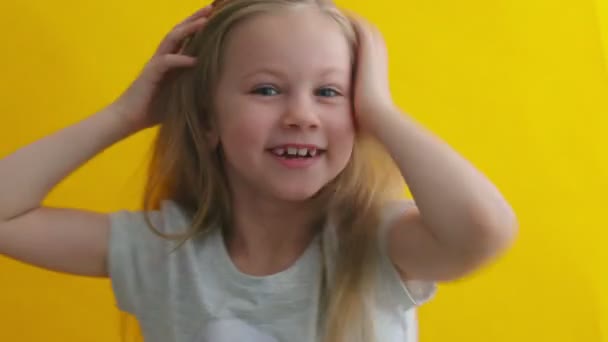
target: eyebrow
274 72
264 70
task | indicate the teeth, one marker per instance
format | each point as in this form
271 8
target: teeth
292 151
295 152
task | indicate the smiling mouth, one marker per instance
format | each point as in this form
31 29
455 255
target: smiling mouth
296 153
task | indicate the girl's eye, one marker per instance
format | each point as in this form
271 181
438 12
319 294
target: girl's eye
266 91
328 92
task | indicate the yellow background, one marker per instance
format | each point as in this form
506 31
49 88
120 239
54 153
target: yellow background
519 87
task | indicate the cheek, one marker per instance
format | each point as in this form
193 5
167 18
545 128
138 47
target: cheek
232 116
341 126
243 134
240 147
341 135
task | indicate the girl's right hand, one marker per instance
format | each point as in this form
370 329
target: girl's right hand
134 103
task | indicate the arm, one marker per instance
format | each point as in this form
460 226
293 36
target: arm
67 240
70 240
29 174
461 220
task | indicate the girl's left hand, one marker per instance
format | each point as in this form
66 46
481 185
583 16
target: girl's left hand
372 96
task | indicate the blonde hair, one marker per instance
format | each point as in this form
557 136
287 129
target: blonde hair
187 169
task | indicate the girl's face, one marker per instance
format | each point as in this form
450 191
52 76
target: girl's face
283 104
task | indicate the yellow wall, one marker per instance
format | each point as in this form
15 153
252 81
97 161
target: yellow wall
519 87
602 10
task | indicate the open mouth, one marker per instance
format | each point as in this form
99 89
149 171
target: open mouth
296 153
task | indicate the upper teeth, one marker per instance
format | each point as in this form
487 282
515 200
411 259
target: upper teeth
294 151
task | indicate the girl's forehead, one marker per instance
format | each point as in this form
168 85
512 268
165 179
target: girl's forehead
293 26
300 35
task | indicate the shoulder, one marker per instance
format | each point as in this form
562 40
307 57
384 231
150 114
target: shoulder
392 211
170 218
399 289
140 260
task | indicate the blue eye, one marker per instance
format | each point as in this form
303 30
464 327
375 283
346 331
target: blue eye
266 91
328 92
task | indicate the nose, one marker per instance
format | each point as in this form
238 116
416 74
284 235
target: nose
300 112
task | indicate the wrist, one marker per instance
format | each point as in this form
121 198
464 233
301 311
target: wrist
377 122
121 120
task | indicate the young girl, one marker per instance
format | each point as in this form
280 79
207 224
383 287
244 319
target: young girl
269 214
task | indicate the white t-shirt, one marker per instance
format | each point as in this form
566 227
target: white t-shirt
196 294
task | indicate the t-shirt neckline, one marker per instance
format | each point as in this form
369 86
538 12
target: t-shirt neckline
302 263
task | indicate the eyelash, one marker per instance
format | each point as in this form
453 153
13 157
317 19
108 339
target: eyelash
258 90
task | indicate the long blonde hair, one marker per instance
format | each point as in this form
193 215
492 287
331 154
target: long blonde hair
187 169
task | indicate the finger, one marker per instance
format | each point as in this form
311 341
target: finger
360 30
157 68
366 30
172 61
356 19
173 41
165 46
368 34
203 12
360 26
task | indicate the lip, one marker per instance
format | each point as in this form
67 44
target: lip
293 145
296 163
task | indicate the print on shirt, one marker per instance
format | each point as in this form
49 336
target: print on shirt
232 330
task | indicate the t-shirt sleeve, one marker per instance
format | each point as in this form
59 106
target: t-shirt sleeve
137 257
393 291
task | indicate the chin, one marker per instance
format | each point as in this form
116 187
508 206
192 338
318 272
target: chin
297 194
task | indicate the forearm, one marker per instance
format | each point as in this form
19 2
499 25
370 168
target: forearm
460 206
30 173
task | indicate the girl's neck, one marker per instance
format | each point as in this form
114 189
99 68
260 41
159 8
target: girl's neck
269 236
